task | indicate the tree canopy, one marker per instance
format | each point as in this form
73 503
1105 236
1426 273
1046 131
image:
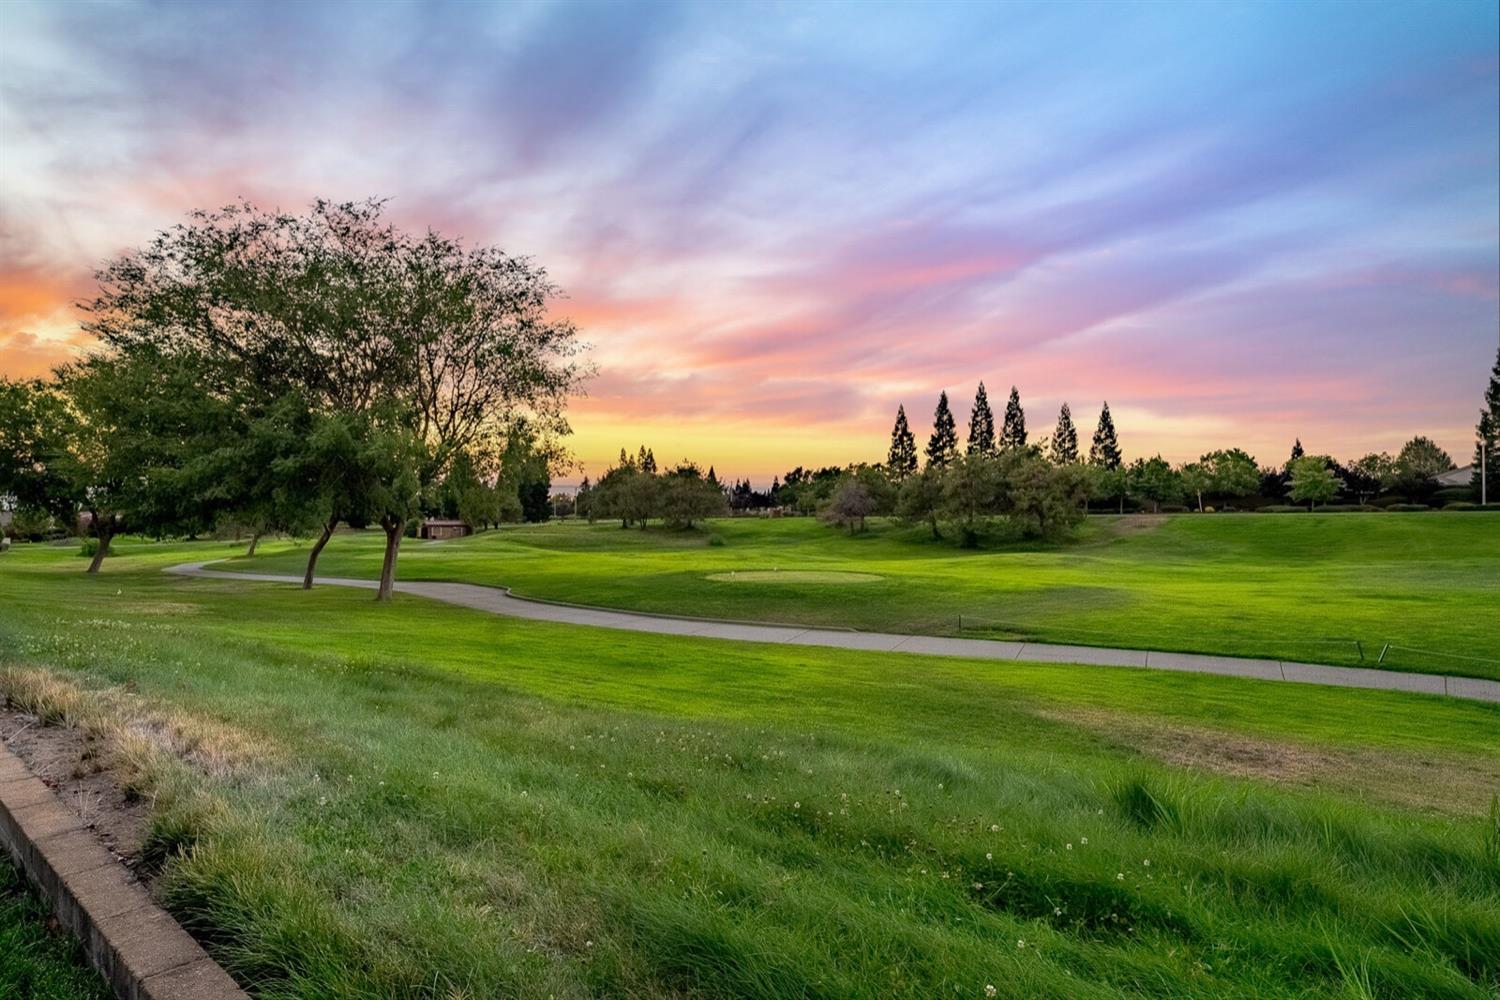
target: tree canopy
420 347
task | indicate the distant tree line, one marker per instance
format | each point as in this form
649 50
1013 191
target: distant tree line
287 373
997 480
634 493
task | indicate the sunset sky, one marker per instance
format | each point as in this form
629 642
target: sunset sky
1238 223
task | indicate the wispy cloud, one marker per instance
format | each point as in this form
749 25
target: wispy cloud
1231 220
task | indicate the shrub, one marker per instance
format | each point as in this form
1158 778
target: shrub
1208 510
1172 508
1455 494
88 548
1412 507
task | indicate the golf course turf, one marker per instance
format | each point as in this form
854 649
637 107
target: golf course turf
415 800
1329 588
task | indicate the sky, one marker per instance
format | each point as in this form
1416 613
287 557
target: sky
1238 223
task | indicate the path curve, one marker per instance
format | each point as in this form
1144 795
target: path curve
500 601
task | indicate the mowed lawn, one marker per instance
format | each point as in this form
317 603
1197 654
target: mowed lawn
416 800
1288 587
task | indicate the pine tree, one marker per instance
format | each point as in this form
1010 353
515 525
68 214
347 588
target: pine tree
1487 449
712 477
1065 438
1013 435
1297 453
647 461
942 447
625 460
981 425
1106 450
901 461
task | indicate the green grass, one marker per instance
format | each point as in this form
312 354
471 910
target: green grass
1281 587
36 964
432 802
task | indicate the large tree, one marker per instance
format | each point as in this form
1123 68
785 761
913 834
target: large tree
432 346
1487 443
35 428
973 491
1154 481
1064 444
1196 480
111 442
1105 452
1231 473
981 425
920 498
688 496
1419 461
1013 434
901 460
1370 474
1044 500
942 447
1310 478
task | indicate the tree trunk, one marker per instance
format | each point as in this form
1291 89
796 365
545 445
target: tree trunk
1200 501
1122 503
105 533
254 540
317 550
394 529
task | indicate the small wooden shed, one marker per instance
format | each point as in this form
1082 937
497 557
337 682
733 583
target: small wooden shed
439 527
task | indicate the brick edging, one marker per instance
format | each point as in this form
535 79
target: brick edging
136 945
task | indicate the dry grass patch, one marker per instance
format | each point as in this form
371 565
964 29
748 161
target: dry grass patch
108 755
1440 783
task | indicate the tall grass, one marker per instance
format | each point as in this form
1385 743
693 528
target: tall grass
421 802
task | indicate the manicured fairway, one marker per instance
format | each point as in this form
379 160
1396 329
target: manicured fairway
415 800
1280 586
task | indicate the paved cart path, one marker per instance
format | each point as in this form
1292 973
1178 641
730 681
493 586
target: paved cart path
500 601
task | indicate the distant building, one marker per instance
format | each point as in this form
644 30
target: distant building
437 527
1455 477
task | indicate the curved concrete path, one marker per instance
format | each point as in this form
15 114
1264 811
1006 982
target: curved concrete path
500 601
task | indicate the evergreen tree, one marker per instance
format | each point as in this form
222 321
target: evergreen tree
1065 438
1487 449
1013 435
1105 452
712 477
1297 453
981 425
901 460
583 500
942 447
646 461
